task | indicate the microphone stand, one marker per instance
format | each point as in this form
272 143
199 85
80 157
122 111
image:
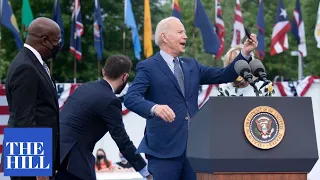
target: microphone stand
256 91
248 78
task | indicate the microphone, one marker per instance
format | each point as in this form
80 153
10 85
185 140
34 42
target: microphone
258 70
243 69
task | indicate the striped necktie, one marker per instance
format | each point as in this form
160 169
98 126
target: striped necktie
177 71
45 66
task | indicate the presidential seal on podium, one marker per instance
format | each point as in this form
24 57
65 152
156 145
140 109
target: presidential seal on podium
264 127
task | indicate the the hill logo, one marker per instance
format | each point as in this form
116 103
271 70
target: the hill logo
27 152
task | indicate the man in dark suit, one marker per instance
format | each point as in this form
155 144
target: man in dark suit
90 112
30 89
165 92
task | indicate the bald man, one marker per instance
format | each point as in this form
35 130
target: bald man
30 89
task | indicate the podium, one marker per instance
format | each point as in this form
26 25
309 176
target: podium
253 138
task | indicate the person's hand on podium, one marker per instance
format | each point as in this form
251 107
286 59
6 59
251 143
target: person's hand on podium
164 112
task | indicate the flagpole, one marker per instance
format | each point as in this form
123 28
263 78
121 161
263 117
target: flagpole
281 65
98 69
75 71
193 30
124 40
0 35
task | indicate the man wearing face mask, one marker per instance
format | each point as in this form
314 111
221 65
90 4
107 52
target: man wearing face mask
90 112
124 164
30 89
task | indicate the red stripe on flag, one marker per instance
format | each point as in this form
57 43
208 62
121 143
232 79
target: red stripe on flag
2 129
206 95
4 110
310 82
281 89
2 91
126 111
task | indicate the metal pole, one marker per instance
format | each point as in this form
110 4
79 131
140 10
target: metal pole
1 10
75 71
300 67
124 40
98 69
0 36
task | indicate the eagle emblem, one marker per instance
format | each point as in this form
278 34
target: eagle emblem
264 125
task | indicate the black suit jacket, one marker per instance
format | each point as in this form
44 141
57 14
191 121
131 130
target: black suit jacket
89 113
32 97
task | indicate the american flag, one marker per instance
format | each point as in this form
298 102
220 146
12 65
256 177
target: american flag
4 114
298 29
261 33
279 40
238 28
219 27
76 30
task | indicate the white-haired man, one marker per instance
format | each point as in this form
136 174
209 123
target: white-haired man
165 92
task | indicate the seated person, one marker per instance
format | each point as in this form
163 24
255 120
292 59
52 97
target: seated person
241 87
124 165
102 163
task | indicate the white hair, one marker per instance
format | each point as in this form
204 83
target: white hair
162 27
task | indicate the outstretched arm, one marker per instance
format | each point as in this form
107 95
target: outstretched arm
210 75
134 99
112 116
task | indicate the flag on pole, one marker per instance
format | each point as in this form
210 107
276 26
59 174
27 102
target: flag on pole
9 21
209 37
131 23
317 28
298 29
176 9
261 31
219 27
279 40
98 30
27 16
57 17
147 30
238 28
76 30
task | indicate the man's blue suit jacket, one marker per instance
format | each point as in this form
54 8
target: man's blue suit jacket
156 84
90 112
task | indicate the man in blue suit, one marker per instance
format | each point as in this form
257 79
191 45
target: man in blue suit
165 92
90 112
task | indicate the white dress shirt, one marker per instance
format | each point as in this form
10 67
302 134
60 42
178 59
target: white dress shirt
35 52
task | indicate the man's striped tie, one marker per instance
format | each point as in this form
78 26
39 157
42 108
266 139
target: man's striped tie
179 74
48 71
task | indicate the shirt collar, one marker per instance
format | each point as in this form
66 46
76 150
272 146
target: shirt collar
35 52
167 57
